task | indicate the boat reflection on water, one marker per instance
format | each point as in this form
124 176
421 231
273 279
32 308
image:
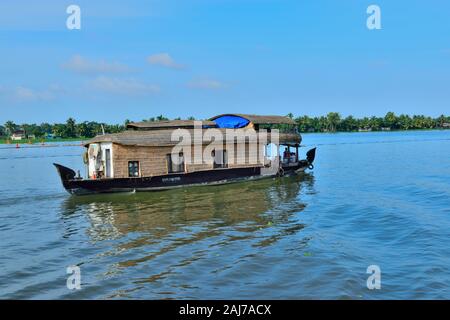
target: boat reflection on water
255 203
189 222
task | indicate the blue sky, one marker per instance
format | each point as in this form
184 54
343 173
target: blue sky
138 59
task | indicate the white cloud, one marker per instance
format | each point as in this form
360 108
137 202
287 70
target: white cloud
82 65
205 83
164 60
25 94
123 86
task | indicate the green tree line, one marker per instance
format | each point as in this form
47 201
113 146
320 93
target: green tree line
69 129
332 122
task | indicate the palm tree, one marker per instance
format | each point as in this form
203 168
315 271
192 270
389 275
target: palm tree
333 120
10 127
349 124
161 118
440 121
390 120
375 123
83 130
70 128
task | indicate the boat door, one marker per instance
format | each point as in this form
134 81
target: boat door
108 163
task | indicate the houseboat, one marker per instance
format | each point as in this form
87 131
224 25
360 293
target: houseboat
162 155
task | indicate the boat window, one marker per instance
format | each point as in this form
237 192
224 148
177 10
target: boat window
220 158
175 163
133 169
271 151
108 163
288 155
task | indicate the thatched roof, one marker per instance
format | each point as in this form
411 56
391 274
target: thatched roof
164 137
256 119
189 124
157 125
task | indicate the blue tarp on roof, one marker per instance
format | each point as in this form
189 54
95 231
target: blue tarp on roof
231 122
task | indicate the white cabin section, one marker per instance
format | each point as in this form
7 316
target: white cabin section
100 160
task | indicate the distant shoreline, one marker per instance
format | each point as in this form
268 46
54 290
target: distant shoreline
81 139
332 122
378 131
39 141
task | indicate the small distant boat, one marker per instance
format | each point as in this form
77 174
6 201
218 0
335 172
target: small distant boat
142 158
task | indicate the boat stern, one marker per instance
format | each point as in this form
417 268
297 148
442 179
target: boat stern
308 162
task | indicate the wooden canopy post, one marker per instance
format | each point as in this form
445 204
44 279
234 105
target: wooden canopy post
289 153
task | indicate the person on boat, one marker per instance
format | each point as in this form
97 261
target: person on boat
286 154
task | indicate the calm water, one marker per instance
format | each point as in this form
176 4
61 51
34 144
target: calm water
373 198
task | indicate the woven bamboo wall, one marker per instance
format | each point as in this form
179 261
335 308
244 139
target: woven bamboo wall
153 161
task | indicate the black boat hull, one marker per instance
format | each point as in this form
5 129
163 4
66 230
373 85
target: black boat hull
208 177
78 186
